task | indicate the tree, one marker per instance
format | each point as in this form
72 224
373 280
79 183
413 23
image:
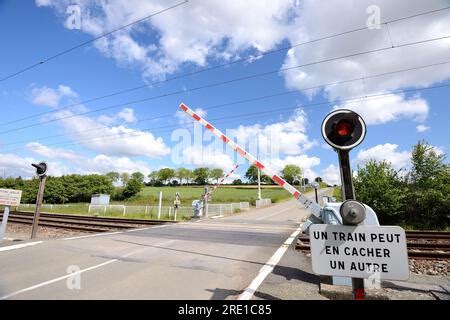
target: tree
216 174
318 179
183 173
252 175
201 175
113 176
428 200
132 188
139 176
237 182
153 177
382 188
124 177
166 174
290 172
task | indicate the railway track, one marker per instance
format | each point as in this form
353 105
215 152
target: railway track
81 223
430 245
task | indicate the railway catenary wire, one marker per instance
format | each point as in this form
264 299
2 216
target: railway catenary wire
253 99
42 61
184 75
225 82
252 115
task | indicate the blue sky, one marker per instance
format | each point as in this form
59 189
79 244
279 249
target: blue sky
201 34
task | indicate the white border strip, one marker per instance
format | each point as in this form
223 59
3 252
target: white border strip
268 267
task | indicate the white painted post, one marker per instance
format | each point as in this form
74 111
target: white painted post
160 203
124 210
89 209
175 214
170 211
104 210
146 209
4 222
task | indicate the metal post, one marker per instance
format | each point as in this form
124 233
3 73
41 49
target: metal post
159 206
37 212
4 222
348 193
317 198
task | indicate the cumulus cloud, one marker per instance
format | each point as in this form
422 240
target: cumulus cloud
50 97
305 162
111 140
284 137
318 19
331 175
387 152
389 108
422 128
126 115
52 153
224 30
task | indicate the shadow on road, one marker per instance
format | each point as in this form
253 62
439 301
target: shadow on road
191 252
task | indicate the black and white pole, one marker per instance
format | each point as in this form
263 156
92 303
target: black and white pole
41 170
343 130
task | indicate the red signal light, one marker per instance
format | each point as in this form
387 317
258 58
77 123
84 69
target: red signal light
344 128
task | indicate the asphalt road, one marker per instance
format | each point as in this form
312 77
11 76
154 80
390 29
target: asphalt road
209 259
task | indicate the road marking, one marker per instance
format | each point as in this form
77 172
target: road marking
18 246
268 267
92 235
56 279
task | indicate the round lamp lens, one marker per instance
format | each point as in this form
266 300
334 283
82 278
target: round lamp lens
344 128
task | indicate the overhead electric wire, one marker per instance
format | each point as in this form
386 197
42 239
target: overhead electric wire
322 86
223 65
118 136
88 41
227 82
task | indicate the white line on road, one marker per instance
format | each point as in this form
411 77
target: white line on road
18 246
92 235
56 280
268 267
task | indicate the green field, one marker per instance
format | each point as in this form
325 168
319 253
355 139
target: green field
224 194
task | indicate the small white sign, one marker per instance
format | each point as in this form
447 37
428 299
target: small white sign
359 251
10 197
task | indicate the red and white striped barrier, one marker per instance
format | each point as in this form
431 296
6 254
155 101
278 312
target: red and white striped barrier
313 207
220 182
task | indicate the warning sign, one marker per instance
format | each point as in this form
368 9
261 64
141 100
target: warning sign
10 197
359 251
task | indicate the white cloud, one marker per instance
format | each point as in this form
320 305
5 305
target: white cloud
126 115
191 33
206 157
389 108
50 97
283 137
305 162
388 152
12 165
55 153
331 175
422 128
113 141
103 164
318 19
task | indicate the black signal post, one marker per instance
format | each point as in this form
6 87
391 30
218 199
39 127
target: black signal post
41 170
343 130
